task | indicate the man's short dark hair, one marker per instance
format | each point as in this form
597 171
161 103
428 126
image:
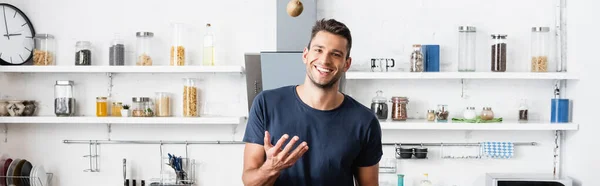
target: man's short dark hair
332 26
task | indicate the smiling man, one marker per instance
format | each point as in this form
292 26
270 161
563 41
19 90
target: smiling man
312 134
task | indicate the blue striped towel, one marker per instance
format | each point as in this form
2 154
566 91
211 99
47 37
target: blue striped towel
498 150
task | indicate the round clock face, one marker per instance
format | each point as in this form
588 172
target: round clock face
16 36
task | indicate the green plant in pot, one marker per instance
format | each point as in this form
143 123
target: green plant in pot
125 112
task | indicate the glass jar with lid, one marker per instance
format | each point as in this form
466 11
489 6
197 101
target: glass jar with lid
399 111
44 53
101 106
442 113
64 101
116 108
190 97
466 48
162 102
142 107
430 115
487 113
499 53
143 50
469 113
379 106
540 48
178 50
417 61
83 53
116 52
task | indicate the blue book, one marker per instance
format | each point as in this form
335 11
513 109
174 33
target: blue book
432 57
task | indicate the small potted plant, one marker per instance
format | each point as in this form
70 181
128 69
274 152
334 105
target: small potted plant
125 111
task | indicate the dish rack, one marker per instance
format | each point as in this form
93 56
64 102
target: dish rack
169 177
28 180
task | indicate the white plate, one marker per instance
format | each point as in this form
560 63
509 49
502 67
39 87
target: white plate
41 174
32 179
11 171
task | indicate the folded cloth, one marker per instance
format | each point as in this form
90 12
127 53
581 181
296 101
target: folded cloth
498 150
476 120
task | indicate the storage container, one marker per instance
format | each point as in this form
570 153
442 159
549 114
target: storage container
498 54
417 61
142 107
442 113
399 108
101 106
190 97
467 48
116 108
143 48
178 48
379 105
64 102
540 49
44 53
117 51
83 53
162 102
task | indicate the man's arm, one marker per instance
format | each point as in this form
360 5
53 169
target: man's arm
368 176
253 161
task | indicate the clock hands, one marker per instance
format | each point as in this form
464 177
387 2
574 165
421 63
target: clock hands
11 34
5 23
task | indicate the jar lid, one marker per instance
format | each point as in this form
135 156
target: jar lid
117 103
399 98
144 34
500 36
44 36
540 29
101 98
470 108
64 82
430 111
140 99
467 29
379 98
487 108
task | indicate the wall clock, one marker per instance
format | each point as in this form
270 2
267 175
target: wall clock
16 36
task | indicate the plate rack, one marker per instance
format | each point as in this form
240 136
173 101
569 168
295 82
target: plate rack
29 180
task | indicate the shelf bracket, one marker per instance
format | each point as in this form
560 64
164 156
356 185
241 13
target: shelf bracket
109 127
5 133
557 151
110 83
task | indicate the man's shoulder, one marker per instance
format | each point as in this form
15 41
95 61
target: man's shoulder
276 93
358 109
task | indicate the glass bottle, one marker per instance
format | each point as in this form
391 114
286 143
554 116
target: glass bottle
540 48
379 106
64 102
143 48
190 98
487 113
442 113
208 58
178 50
425 181
116 52
498 53
44 53
466 48
83 53
101 106
417 62
399 108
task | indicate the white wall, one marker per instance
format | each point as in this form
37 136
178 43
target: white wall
249 26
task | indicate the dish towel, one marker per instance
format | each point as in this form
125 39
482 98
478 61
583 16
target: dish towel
498 150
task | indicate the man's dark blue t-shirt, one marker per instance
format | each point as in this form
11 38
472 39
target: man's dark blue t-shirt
339 140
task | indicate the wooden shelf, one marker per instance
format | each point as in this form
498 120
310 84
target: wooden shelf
123 69
462 75
506 126
125 120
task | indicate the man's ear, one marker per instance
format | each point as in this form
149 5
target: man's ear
304 54
348 63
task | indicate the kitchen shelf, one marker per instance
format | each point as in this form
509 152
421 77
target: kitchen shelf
462 75
206 120
506 126
123 69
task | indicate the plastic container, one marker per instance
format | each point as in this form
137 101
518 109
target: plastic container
498 54
143 48
379 106
190 97
417 61
467 48
83 53
178 50
116 51
64 102
101 106
44 53
399 108
540 48
208 57
162 103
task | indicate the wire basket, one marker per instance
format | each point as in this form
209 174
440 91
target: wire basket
28 180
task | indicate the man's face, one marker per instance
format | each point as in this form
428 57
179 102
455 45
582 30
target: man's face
326 59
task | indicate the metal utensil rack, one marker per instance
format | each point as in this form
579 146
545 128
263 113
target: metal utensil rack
28 179
397 147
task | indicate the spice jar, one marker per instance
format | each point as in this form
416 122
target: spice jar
469 113
162 104
115 110
540 45
499 53
466 48
44 51
177 57
417 63
523 112
117 52
64 102
442 113
144 41
141 107
487 113
430 115
379 106
190 98
83 54
101 106
399 108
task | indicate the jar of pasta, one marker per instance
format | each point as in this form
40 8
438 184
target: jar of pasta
141 107
101 106
190 97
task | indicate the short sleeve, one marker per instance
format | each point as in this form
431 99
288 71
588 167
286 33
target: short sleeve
255 127
372 150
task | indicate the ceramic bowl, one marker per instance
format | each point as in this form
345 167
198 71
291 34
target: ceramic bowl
421 153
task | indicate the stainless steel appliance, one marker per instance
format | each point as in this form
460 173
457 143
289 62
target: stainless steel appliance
525 179
274 69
